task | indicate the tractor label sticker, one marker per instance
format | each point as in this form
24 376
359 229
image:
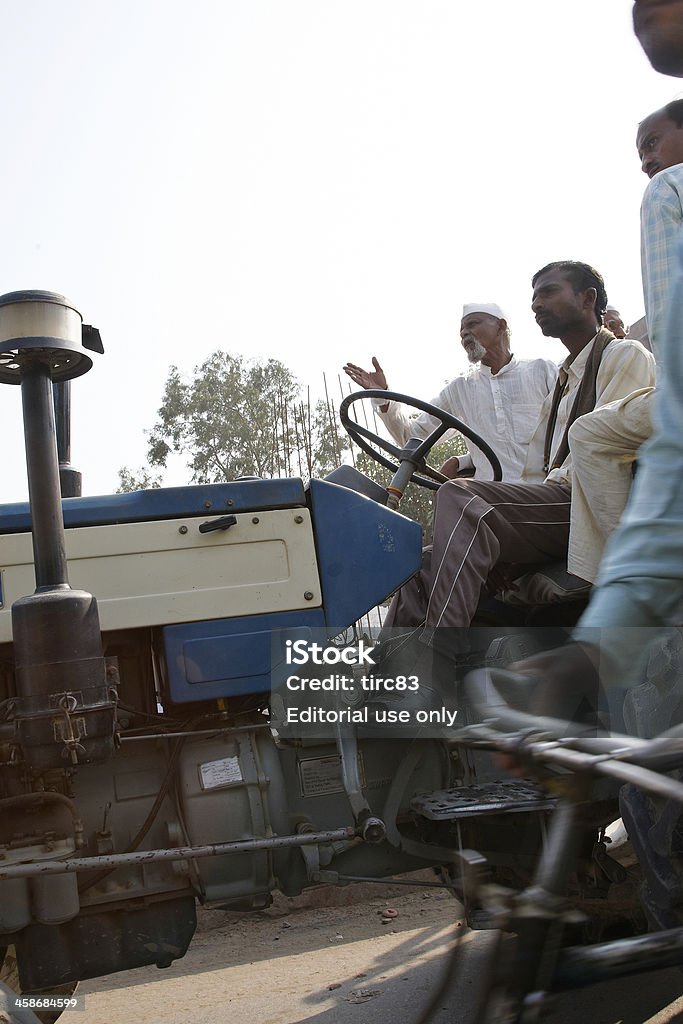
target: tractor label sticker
225 772
320 776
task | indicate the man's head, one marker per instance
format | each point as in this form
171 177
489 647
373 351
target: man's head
483 331
568 297
660 139
659 27
613 322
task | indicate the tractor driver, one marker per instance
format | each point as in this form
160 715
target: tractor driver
500 399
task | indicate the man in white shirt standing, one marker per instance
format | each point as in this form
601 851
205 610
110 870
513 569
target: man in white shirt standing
660 148
639 589
500 399
639 583
610 437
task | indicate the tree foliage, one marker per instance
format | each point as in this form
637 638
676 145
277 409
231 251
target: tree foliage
331 444
231 419
141 479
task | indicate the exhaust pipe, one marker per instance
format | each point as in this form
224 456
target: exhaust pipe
65 712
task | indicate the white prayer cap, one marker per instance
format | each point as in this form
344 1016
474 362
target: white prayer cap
492 308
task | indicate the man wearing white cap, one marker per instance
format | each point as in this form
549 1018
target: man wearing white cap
500 400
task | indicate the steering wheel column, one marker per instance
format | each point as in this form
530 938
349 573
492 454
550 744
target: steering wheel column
408 463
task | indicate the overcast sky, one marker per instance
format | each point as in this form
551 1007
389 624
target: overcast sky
314 180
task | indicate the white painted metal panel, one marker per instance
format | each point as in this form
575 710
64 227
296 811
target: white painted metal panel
146 574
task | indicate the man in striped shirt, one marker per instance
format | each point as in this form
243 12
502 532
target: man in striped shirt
640 577
660 148
608 440
640 584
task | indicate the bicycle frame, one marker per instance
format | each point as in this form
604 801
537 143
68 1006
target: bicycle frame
539 965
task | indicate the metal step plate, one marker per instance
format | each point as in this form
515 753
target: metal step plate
506 797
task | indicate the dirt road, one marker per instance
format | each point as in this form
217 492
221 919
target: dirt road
340 964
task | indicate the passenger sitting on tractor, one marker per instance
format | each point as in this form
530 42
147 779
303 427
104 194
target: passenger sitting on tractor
501 399
480 527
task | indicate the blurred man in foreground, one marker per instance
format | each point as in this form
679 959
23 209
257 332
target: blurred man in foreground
640 583
614 434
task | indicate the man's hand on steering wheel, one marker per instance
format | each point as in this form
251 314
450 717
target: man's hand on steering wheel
451 467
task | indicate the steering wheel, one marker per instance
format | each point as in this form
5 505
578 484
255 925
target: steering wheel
434 478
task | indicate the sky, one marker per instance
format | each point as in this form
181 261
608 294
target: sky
311 180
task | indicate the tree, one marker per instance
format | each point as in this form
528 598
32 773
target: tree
140 479
331 444
233 418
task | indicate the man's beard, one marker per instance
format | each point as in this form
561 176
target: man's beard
474 351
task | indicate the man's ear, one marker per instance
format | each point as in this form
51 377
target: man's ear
502 326
590 298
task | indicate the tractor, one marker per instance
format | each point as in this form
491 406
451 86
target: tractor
152 650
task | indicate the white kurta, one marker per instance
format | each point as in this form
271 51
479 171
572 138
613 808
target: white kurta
605 444
598 474
626 366
503 407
